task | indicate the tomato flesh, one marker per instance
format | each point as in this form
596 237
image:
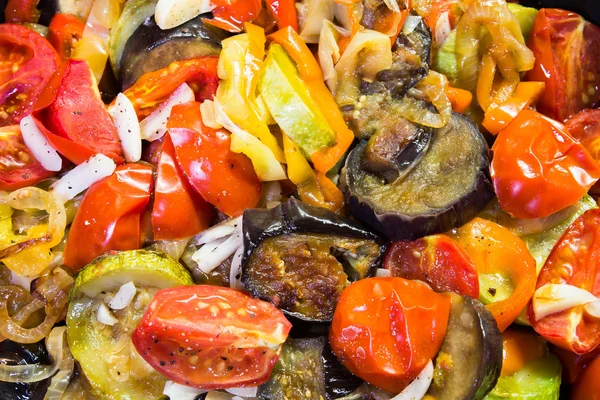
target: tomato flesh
437 260
385 330
574 260
27 62
538 168
211 337
585 127
109 215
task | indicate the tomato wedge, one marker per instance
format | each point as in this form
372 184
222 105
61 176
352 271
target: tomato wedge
385 330
109 215
27 62
538 168
567 59
71 108
178 211
497 252
211 337
574 260
437 260
225 179
18 167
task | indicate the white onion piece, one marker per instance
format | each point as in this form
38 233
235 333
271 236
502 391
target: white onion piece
412 21
329 51
209 117
171 13
83 176
235 271
392 5
342 15
128 128
181 392
154 126
216 395
210 256
105 316
318 11
442 29
271 193
382 272
556 297
37 143
123 297
417 389
243 391
55 343
20 280
593 308
218 231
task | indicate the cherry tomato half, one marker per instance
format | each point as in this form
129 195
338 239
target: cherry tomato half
587 386
574 260
225 179
538 168
211 337
585 127
385 330
27 62
109 215
498 252
437 260
64 31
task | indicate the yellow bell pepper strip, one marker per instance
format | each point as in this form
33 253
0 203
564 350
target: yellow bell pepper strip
308 68
459 98
239 68
498 117
314 189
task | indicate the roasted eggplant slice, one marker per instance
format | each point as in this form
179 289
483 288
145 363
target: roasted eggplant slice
300 257
468 364
151 48
447 188
308 370
12 353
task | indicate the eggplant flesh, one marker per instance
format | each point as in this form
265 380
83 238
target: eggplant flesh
444 190
469 362
150 48
300 258
12 353
308 370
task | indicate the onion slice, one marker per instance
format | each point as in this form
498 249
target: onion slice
128 128
123 297
218 231
171 13
154 126
211 255
83 176
392 5
61 380
418 387
243 391
235 271
553 298
181 392
37 143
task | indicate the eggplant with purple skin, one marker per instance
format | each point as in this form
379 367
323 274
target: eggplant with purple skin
469 362
150 48
12 353
441 189
307 369
300 258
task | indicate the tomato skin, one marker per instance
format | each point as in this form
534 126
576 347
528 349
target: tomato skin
231 14
64 31
567 50
109 215
18 167
573 364
587 386
437 260
574 260
35 59
22 11
385 330
585 127
237 337
76 112
153 88
496 250
178 211
223 178
538 168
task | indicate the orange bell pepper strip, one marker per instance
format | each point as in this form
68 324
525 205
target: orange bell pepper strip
497 251
314 189
459 98
498 117
284 13
310 72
